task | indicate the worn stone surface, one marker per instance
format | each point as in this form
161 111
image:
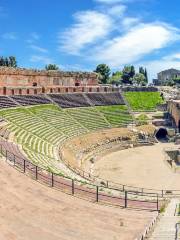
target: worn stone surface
29 210
174 111
29 77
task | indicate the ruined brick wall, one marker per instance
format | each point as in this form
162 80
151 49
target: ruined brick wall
174 110
11 77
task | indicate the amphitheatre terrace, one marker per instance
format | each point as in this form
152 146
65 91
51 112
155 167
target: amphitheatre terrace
96 143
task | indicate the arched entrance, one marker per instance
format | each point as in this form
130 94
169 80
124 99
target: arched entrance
162 134
77 84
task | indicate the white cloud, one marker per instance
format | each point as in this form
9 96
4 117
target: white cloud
41 59
89 27
157 66
132 46
37 48
117 10
174 57
10 36
35 36
129 22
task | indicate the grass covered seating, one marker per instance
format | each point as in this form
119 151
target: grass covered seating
143 101
117 116
41 130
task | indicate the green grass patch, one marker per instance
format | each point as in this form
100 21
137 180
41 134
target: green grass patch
142 119
143 101
116 115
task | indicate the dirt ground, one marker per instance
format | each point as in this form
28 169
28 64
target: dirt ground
31 211
140 167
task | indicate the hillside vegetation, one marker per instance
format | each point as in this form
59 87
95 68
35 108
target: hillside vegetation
143 101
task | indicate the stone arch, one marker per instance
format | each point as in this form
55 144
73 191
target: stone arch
161 134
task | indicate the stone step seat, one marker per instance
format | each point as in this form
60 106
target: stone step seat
70 100
26 100
101 99
6 102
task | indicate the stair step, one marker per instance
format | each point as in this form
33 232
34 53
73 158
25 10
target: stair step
166 226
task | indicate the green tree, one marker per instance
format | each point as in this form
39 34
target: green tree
116 78
103 71
12 62
128 74
146 75
50 67
139 79
141 70
8 61
144 72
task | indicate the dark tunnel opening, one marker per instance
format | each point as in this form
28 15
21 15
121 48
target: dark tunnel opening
162 134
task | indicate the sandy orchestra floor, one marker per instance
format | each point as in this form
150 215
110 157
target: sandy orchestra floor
142 167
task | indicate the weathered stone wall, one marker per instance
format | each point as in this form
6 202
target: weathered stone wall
11 77
174 111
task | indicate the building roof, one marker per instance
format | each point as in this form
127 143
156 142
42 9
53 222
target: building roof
170 70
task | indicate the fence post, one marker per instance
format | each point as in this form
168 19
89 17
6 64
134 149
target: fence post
14 159
52 180
72 186
125 203
1 149
36 173
162 193
24 166
157 203
97 194
107 184
6 155
123 188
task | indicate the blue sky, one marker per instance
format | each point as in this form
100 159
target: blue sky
79 34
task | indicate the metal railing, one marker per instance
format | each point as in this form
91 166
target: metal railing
83 189
163 193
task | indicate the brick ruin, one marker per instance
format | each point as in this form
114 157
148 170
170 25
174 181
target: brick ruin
174 111
26 81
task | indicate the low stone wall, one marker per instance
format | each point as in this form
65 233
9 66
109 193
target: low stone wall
45 90
139 89
174 112
81 152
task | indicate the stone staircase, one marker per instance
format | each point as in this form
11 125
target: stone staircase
166 226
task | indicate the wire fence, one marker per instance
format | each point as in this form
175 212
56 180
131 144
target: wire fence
83 189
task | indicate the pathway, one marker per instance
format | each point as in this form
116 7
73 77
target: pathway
166 227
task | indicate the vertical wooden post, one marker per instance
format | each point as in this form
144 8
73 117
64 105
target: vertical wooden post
14 159
97 194
125 199
6 155
72 186
123 188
